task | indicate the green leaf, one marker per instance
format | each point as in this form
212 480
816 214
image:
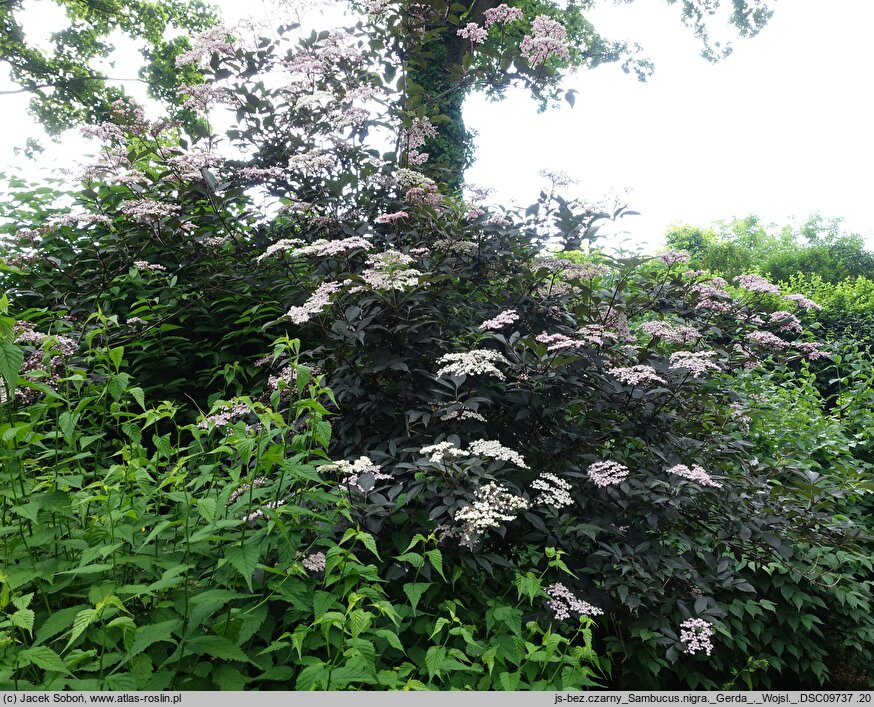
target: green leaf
116 355
436 559
122 682
391 637
67 424
313 677
369 543
415 590
139 396
509 681
82 621
244 558
217 647
56 623
23 618
434 659
45 658
11 357
227 677
412 558
154 633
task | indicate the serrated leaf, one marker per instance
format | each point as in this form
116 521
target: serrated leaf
312 677
23 618
391 637
82 621
244 558
11 358
122 682
412 558
45 658
217 647
434 660
139 396
415 590
369 543
436 559
227 677
154 633
56 623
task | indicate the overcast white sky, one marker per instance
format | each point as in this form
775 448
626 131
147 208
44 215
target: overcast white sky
782 128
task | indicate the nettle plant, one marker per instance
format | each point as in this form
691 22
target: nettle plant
508 435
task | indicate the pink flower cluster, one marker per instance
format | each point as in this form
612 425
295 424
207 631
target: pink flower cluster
256 483
315 562
802 302
558 342
547 39
756 283
637 375
392 218
607 473
473 33
225 418
215 40
786 321
419 131
255 515
597 334
812 351
668 332
696 474
674 256
563 602
501 15
508 316
766 339
695 634
204 96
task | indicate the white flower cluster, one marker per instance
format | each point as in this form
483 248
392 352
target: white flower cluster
146 265
563 602
325 248
558 342
668 332
695 634
317 301
756 283
480 448
441 451
696 362
493 449
311 162
279 247
148 209
472 363
508 316
462 415
492 505
696 473
607 473
556 491
389 271
637 375
203 96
